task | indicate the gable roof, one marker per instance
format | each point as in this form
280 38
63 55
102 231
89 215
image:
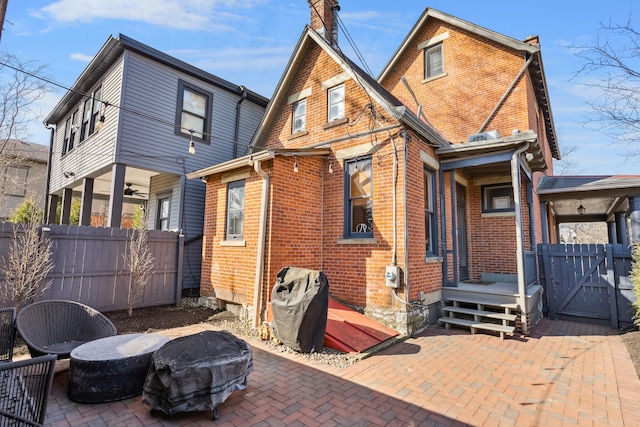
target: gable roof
25 150
536 69
108 55
392 105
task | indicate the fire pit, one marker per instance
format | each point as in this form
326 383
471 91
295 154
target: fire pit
197 372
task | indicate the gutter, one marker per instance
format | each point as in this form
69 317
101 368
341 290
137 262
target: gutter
236 131
515 183
45 212
262 231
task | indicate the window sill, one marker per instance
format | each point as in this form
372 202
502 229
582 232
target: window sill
358 241
298 134
334 123
439 76
237 243
498 214
432 259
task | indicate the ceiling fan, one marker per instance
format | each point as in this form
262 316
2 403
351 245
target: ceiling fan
131 192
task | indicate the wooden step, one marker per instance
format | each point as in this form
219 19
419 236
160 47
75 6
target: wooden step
481 313
473 325
512 306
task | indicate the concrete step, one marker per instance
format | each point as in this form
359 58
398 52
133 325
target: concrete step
482 313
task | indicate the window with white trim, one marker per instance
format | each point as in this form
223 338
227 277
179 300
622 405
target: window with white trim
358 198
235 210
335 108
299 121
433 61
164 213
70 130
90 113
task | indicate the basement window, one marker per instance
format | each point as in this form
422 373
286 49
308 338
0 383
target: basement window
498 198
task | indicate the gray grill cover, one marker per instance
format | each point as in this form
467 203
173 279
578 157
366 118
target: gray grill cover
299 302
197 372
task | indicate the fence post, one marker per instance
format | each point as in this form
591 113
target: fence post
612 287
180 256
549 291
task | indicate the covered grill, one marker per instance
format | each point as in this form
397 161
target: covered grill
197 372
299 303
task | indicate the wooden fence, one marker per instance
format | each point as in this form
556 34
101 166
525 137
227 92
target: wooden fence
89 265
587 283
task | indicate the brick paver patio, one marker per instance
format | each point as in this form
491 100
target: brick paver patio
565 374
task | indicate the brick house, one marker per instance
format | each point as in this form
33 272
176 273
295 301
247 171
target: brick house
399 189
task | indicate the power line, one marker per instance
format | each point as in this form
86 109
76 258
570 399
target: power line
125 109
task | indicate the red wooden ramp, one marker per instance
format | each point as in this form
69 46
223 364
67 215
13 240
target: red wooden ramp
349 331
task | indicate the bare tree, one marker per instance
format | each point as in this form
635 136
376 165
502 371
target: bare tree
20 89
27 264
139 260
614 61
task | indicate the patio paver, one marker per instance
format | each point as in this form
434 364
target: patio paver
564 374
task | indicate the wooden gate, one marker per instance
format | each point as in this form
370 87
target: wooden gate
587 283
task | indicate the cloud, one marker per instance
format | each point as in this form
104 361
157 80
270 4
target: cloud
81 57
209 15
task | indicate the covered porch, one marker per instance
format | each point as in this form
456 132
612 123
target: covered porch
490 275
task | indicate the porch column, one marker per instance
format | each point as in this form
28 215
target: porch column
115 199
611 231
87 199
515 183
67 195
53 209
634 216
621 229
545 222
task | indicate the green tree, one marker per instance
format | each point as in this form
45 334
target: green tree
26 213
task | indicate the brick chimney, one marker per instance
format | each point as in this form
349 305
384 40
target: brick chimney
323 11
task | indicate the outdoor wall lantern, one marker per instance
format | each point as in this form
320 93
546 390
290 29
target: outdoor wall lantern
581 209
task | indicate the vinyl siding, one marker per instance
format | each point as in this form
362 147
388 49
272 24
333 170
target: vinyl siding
152 89
95 154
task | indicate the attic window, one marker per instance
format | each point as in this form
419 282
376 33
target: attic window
335 103
433 61
299 122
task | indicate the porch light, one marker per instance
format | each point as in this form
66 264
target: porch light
330 166
192 145
100 123
295 164
581 209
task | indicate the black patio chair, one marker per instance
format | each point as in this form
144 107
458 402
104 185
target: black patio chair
59 326
7 333
24 390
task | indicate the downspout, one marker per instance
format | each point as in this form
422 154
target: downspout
262 231
515 183
406 222
45 213
236 131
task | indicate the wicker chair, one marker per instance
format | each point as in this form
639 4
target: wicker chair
7 333
24 390
57 326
